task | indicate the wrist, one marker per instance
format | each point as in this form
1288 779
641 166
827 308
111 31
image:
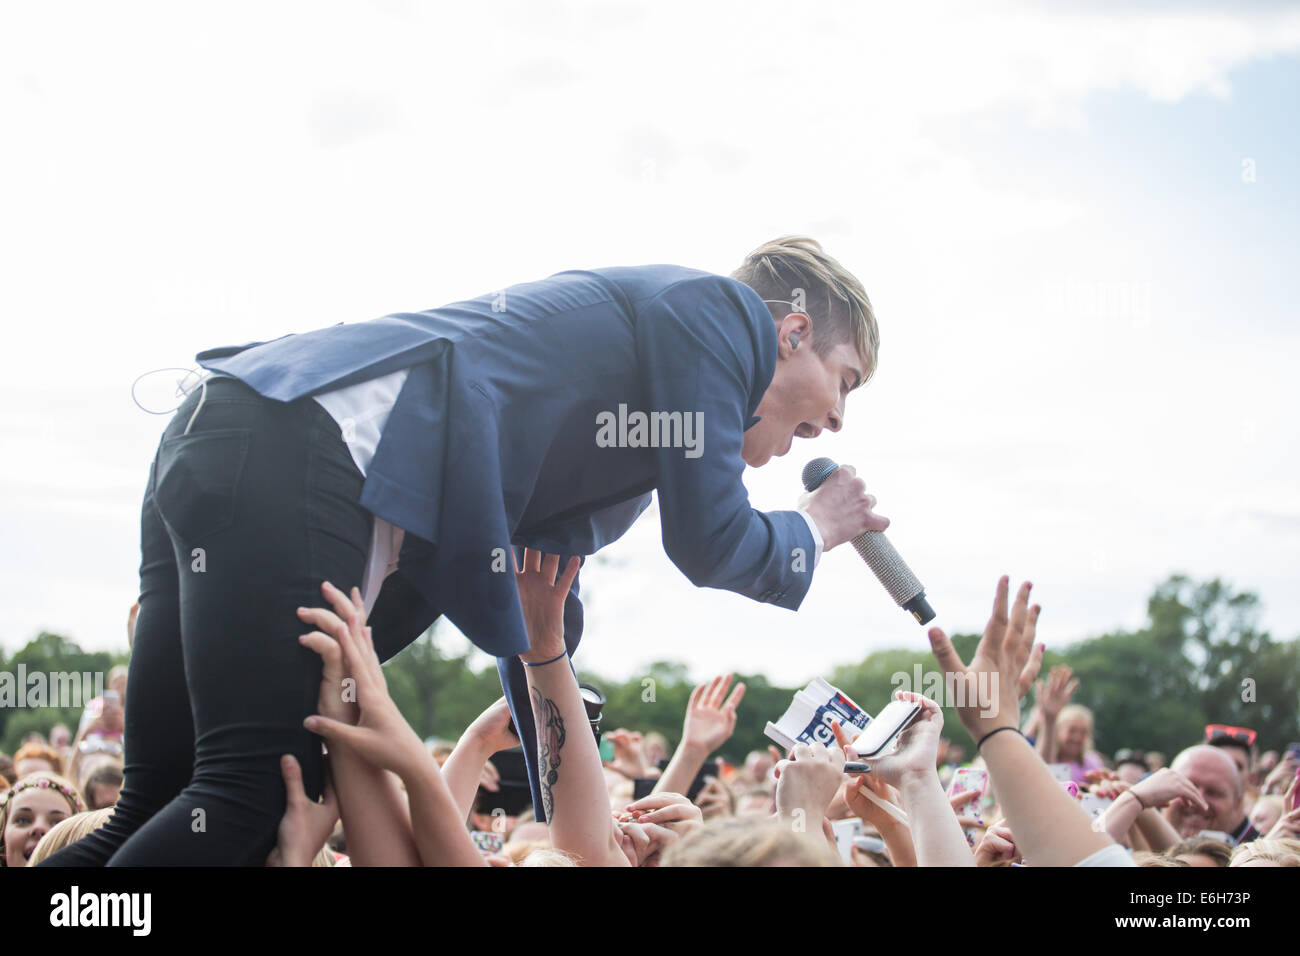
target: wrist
693 750
474 743
913 781
542 658
994 743
988 734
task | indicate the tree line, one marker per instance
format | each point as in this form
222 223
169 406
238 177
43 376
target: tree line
1199 658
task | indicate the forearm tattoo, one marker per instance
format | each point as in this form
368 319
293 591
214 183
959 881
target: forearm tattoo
550 740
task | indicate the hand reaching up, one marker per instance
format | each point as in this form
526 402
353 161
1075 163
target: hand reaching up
381 735
542 593
305 826
711 714
999 660
1053 697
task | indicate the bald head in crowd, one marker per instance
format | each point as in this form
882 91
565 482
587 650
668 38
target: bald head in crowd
1215 774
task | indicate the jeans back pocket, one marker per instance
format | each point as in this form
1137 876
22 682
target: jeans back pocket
196 480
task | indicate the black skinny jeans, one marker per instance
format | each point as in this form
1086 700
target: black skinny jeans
243 518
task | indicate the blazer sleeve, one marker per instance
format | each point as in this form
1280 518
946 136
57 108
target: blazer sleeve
706 349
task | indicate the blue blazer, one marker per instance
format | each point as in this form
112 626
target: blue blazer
516 426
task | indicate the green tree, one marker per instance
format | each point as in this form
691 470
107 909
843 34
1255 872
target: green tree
49 654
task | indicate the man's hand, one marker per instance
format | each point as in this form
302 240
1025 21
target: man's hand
542 597
842 508
711 715
305 826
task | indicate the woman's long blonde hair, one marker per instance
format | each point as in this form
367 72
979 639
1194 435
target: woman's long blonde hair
69 831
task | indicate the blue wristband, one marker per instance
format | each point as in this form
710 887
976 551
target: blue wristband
544 663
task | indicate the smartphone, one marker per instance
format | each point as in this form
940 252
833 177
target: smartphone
846 831
884 730
606 749
964 780
1094 805
486 841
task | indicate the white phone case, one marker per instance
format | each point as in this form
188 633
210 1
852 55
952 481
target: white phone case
885 728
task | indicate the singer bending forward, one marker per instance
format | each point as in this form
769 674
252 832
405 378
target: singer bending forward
407 454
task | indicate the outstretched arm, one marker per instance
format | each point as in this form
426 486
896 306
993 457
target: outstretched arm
384 739
463 769
710 722
371 802
572 780
1050 828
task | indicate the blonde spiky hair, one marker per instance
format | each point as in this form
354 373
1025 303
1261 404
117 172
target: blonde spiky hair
792 269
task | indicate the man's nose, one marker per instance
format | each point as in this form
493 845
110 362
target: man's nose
835 419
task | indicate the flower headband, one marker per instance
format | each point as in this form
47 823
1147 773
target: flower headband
44 783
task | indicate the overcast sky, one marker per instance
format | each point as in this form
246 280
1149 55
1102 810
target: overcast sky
1077 223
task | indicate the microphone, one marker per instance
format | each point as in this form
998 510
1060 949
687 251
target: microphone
875 549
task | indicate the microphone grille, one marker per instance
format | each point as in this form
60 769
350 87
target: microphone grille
817 471
888 566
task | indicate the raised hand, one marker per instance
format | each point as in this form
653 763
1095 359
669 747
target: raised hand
335 700
1029 675
1288 825
918 746
542 598
1060 688
490 732
1166 785
1283 775
711 714
806 783
305 826
714 799
629 757
381 736
1002 655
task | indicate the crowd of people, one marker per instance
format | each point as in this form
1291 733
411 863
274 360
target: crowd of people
1034 793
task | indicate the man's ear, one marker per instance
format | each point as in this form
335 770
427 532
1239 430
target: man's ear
792 332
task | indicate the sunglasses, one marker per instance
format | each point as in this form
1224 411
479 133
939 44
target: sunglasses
1219 733
95 744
